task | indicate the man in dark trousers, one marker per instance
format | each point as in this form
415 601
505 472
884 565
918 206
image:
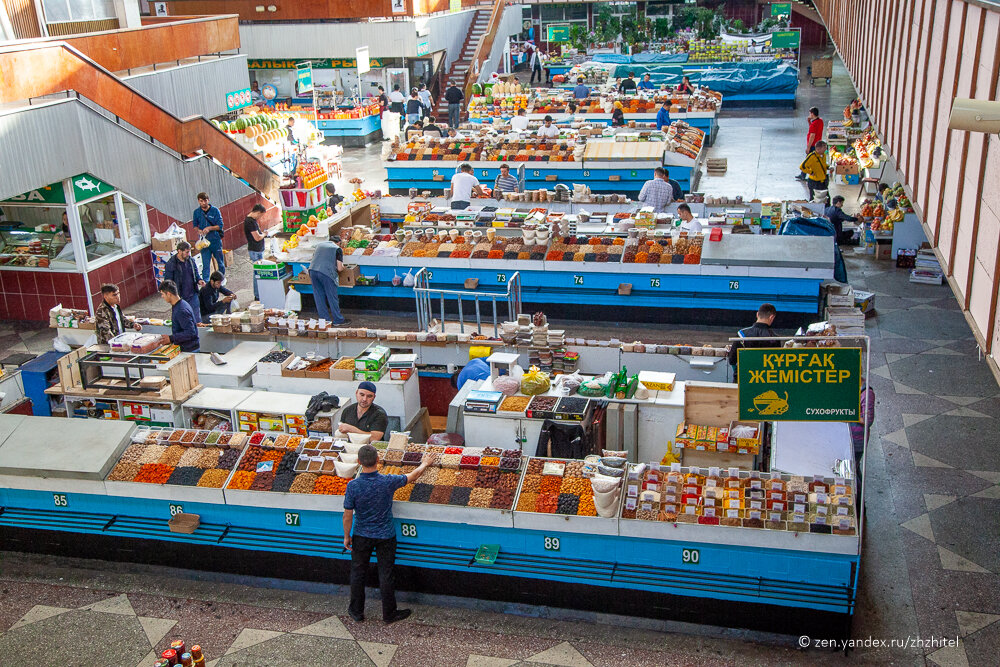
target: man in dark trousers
208 220
454 96
183 325
370 497
835 214
759 329
181 270
813 135
214 298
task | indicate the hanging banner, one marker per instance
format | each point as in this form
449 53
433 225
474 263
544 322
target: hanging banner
800 384
86 186
364 62
238 99
781 9
557 33
785 39
317 63
305 77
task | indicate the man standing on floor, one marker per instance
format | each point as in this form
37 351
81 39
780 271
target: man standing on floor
110 320
536 66
813 135
657 192
464 184
425 99
208 220
182 272
815 169
183 322
370 497
255 240
759 329
327 263
454 96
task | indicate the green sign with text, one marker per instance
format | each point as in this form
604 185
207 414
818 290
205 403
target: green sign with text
557 33
800 384
320 63
781 9
785 39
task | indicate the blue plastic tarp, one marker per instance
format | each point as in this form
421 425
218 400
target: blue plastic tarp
727 78
818 227
640 58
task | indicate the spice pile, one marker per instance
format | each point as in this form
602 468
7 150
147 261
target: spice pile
740 498
291 464
463 476
428 245
586 249
554 486
664 251
182 457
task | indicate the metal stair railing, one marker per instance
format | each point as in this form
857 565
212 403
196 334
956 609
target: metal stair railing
426 297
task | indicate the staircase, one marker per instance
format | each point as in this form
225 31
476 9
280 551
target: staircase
57 67
460 66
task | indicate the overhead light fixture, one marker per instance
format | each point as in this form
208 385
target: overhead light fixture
272 8
975 115
259 8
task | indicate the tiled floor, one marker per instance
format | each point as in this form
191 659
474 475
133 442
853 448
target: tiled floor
930 570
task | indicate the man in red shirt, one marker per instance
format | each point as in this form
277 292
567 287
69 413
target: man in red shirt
814 134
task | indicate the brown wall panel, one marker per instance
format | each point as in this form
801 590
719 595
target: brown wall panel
909 59
302 10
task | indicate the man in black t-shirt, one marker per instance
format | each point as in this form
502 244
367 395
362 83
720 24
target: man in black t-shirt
255 238
364 416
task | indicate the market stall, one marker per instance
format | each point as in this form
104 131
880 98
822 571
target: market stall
484 520
57 240
698 110
619 163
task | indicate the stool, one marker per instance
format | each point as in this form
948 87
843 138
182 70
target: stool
863 190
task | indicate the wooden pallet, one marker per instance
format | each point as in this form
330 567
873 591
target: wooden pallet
182 374
716 166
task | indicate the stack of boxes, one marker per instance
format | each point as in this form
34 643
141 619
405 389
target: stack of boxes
372 364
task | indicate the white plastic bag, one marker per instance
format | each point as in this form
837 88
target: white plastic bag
59 345
408 280
397 280
293 300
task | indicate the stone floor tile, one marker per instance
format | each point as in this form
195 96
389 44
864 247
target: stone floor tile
39 612
156 628
935 500
69 638
564 654
297 650
944 375
251 637
116 605
380 654
972 621
487 661
950 656
952 561
920 525
328 627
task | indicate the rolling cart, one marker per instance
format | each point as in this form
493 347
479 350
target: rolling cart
821 68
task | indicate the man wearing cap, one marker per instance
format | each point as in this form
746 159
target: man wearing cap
365 416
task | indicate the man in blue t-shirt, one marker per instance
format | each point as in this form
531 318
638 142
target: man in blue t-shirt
208 220
370 496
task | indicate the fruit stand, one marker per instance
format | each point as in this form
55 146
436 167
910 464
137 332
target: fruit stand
358 126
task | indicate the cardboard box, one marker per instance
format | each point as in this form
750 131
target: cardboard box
349 276
166 245
371 376
346 374
884 251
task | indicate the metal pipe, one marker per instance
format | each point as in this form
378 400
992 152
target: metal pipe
479 319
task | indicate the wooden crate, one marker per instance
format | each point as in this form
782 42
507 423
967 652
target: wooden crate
711 404
183 374
69 369
822 68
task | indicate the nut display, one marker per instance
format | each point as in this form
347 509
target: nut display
177 457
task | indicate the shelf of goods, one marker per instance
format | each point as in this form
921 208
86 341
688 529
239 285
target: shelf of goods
604 165
699 110
358 122
554 528
738 272
266 132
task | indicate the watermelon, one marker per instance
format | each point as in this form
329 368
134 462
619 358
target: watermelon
224 126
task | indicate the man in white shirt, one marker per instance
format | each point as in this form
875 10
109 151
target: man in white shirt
547 130
519 123
689 223
463 186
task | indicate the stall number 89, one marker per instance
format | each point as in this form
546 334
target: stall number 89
552 544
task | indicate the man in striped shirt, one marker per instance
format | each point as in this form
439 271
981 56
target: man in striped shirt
505 182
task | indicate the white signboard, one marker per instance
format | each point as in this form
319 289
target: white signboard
364 62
